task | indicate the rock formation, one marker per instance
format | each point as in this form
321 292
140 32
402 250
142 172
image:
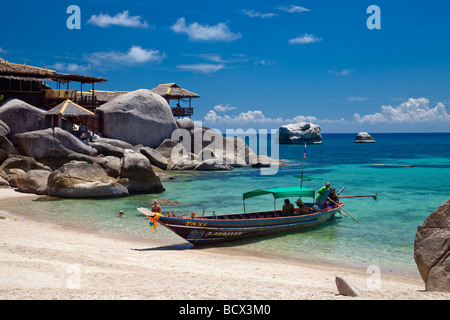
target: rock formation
138 117
23 117
78 179
364 137
432 249
302 132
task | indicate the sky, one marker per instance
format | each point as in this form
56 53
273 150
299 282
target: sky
255 64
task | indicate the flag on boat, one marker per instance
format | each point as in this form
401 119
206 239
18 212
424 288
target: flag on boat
304 152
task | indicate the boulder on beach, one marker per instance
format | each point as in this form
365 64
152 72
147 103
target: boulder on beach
432 249
364 137
138 117
301 132
139 172
20 116
22 162
78 179
53 147
33 181
4 129
154 157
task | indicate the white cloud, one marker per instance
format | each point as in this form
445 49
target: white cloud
3 50
254 117
256 14
221 108
305 39
201 67
121 19
198 32
134 55
413 111
293 9
343 72
71 67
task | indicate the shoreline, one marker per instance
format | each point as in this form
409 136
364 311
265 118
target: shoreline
58 262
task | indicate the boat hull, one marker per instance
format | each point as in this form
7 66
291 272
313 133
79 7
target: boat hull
208 230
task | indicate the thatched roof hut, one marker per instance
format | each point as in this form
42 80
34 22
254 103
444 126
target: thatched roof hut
70 109
171 91
15 71
29 73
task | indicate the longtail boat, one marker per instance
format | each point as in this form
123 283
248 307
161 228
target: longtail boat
219 228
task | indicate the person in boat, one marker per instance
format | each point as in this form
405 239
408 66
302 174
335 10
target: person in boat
333 197
288 208
302 208
322 190
156 207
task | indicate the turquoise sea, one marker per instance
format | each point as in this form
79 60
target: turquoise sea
384 237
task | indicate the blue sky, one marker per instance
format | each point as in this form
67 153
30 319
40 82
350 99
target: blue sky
255 64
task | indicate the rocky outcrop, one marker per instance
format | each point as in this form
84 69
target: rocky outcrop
4 129
23 117
54 147
78 179
212 165
139 172
364 137
301 132
154 157
432 249
33 181
138 117
22 162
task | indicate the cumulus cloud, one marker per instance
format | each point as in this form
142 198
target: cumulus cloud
256 14
221 108
199 32
71 67
305 39
204 68
121 19
293 9
254 117
134 55
409 112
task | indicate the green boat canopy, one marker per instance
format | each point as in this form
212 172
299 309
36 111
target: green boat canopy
296 191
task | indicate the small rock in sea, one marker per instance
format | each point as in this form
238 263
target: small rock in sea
364 137
347 289
301 132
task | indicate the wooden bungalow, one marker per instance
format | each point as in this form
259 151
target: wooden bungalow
171 91
28 84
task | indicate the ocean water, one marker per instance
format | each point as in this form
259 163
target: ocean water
384 237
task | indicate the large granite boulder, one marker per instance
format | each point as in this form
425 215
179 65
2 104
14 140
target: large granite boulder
432 249
364 137
78 179
138 117
22 162
33 181
4 129
7 146
139 172
54 147
301 132
154 157
23 117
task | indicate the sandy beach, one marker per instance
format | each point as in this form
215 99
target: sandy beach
40 260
